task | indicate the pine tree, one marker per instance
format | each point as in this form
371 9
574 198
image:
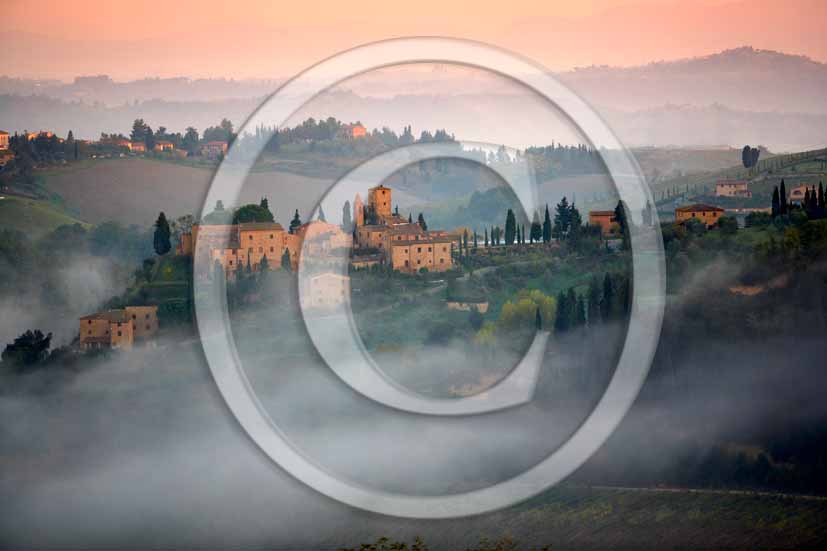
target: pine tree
161 239
295 223
510 227
536 233
546 226
561 219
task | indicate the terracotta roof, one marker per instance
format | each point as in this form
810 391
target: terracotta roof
254 226
374 227
112 316
3 133
602 213
380 186
700 207
425 241
412 227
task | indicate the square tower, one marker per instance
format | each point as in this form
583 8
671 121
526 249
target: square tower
379 200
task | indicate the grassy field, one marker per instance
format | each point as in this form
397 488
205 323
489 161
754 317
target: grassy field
31 216
135 190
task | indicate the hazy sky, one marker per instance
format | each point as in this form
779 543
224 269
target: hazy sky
265 38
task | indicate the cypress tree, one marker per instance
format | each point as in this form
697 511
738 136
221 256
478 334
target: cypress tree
475 240
264 265
421 220
608 298
822 207
782 195
580 312
546 226
410 220
776 202
594 301
347 221
295 222
538 320
536 233
486 238
510 227
561 323
285 261
161 238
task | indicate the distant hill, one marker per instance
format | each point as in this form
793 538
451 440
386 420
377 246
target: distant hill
733 97
744 79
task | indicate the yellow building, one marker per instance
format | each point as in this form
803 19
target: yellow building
4 139
732 188
118 328
430 253
137 147
707 214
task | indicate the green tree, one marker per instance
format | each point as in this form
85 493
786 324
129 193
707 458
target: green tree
27 350
421 220
252 213
285 261
485 230
594 301
782 195
536 233
510 227
562 321
607 303
546 226
161 238
295 223
776 202
562 219
580 311
538 320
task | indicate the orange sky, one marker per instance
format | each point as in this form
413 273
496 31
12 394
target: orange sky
265 38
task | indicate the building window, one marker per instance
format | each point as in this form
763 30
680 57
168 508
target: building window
429 249
419 249
442 261
419 262
272 249
90 322
120 334
147 328
231 262
445 249
146 317
134 317
271 236
89 332
406 265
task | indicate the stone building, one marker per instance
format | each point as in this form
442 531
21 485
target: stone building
4 139
118 328
708 214
404 246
